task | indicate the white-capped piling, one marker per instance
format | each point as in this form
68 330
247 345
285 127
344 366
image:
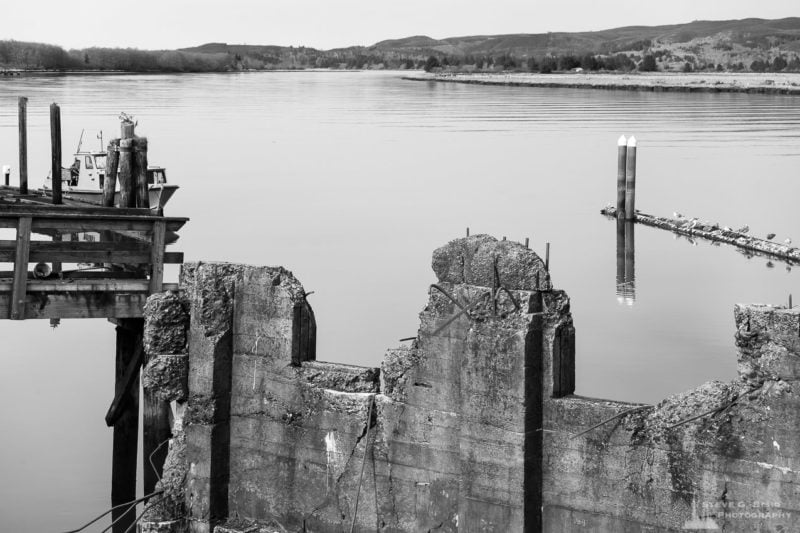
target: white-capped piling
630 179
622 151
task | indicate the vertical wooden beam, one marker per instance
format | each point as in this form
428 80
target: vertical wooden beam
21 258
110 179
157 256
23 145
125 174
126 428
140 167
55 145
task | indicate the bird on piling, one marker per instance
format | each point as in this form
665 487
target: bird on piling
770 236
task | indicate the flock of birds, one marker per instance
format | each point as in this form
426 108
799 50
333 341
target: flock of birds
694 222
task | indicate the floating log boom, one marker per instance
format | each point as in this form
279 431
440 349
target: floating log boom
715 233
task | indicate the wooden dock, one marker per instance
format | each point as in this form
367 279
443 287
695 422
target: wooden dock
126 248
72 259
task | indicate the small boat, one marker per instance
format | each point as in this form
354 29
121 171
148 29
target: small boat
84 180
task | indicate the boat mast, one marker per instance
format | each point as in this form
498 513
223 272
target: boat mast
80 142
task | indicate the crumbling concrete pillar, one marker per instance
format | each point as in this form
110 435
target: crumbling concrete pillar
209 288
164 379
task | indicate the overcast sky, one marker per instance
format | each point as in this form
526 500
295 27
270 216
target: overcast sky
156 24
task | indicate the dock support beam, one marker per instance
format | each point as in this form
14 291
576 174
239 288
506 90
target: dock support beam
126 426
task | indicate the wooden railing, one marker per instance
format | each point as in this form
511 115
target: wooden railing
126 248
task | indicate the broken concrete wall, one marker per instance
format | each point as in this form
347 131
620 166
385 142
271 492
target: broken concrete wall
437 439
474 426
445 440
661 469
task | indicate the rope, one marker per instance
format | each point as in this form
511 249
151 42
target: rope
363 462
113 509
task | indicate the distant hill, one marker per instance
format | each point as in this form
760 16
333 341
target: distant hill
748 44
724 44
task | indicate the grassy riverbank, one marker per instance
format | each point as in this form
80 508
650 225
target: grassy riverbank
774 83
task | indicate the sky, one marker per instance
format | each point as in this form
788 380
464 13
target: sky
325 24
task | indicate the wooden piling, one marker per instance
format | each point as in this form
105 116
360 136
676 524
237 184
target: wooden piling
55 144
23 145
127 198
127 129
527 242
467 231
140 171
126 427
622 152
630 179
110 180
7 175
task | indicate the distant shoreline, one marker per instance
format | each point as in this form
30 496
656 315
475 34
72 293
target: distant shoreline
712 82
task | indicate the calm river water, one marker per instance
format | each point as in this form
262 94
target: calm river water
350 180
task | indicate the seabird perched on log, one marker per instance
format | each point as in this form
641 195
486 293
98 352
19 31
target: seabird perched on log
788 241
676 214
744 229
770 236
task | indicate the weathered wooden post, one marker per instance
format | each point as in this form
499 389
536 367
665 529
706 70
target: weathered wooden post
622 151
630 179
124 416
140 170
55 144
110 180
23 145
7 174
125 174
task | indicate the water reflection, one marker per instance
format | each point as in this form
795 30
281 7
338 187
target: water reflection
626 259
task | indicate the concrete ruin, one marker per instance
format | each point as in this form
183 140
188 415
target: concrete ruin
473 426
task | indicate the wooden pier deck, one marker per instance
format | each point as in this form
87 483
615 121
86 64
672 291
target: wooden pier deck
125 249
